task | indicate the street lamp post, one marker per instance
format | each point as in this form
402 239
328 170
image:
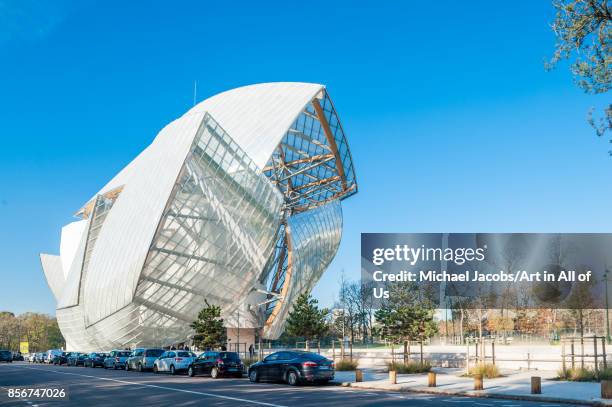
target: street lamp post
607 308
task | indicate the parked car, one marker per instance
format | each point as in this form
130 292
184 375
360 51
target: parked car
292 367
51 354
116 359
43 357
143 359
76 359
217 364
61 359
95 359
173 361
6 356
18 357
37 357
31 357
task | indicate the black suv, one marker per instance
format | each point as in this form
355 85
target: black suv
217 364
293 367
61 359
76 359
95 359
6 356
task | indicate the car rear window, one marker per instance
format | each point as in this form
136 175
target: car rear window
312 356
4 352
229 356
183 354
123 354
155 353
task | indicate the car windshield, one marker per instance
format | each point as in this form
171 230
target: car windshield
183 354
229 356
153 353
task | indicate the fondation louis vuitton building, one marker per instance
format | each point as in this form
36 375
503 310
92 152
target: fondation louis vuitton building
237 203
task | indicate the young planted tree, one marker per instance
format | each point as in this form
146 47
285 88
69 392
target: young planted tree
406 316
306 320
209 330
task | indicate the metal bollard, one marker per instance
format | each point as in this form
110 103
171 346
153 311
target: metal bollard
536 385
478 385
431 379
358 375
606 389
393 376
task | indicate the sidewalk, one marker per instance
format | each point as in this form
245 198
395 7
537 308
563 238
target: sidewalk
515 386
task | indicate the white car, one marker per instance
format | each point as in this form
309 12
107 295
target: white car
173 361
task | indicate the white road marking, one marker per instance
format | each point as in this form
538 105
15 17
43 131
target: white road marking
260 403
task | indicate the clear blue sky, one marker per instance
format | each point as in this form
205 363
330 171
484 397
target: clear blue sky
453 123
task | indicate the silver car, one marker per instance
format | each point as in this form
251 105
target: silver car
143 359
174 361
116 359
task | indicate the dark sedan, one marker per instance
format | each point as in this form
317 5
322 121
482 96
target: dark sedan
95 359
61 359
6 356
217 364
76 359
17 357
293 367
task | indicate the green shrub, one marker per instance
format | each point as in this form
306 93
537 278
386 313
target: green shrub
586 374
486 370
249 361
346 365
410 367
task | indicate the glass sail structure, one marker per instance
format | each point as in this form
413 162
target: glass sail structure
236 203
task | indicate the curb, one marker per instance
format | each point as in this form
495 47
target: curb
479 394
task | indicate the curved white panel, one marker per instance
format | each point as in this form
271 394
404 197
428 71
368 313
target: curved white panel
52 266
71 237
130 225
258 116
70 292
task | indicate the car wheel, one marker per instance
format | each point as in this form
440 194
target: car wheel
114 366
155 369
140 367
292 378
190 371
253 376
214 373
127 367
172 371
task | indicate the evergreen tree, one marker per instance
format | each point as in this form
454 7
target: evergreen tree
306 320
209 330
407 316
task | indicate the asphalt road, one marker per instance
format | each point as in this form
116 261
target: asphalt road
89 387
